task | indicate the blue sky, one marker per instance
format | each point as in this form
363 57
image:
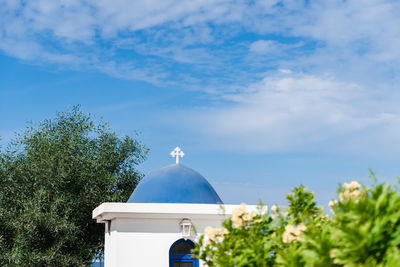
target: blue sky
261 95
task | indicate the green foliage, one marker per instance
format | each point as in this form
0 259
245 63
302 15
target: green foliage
369 228
301 204
243 246
52 177
363 230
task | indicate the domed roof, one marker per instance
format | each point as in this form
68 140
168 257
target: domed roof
174 183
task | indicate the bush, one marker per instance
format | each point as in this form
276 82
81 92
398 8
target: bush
362 230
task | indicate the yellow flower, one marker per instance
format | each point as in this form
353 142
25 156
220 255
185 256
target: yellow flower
274 208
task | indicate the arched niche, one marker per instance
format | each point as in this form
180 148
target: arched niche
180 254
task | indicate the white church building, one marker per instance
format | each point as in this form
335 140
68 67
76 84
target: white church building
164 216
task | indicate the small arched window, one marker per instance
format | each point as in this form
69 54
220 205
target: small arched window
180 254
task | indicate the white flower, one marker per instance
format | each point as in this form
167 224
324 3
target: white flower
274 208
293 233
258 220
346 186
274 216
332 203
344 195
212 233
355 194
238 214
300 228
247 217
351 191
288 236
224 231
354 185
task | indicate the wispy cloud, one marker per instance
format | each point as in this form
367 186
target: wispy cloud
203 39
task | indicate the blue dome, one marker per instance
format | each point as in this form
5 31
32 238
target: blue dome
174 183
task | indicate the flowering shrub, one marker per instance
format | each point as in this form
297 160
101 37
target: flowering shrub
362 230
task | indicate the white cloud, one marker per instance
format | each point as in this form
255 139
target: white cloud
80 20
344 56
264 46
360 36
289 111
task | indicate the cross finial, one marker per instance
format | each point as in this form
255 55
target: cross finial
177 152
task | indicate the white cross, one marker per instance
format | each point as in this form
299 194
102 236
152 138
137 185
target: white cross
177 152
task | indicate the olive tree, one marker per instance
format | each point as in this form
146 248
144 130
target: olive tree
52 175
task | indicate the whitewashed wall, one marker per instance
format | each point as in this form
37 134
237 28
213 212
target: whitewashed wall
142 234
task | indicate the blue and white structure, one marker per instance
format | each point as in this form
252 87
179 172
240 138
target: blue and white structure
165 214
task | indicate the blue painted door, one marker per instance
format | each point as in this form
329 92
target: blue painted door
180 254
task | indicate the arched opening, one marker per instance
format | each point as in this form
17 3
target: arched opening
180 254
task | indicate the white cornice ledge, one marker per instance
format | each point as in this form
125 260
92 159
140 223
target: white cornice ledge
111 210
